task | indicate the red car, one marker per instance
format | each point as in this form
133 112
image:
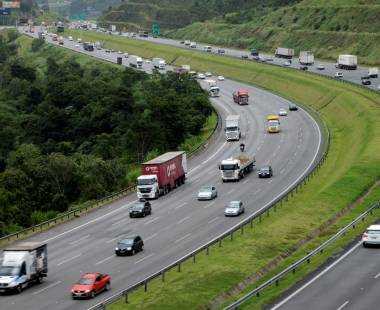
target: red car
90 284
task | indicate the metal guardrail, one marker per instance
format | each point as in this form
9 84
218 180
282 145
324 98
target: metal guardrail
230 233
306 259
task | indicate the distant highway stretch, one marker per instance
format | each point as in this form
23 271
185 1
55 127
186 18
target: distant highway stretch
179 223
350 282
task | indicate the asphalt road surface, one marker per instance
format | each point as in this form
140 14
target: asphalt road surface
179 223
350 283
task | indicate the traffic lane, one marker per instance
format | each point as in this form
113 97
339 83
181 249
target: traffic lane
350 282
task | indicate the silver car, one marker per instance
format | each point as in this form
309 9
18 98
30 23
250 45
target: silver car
207 193
282 112
234 208
371 235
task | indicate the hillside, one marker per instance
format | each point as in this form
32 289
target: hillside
328 27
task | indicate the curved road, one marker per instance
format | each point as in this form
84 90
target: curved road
179 223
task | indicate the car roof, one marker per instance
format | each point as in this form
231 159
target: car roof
90 275
374 227
130 237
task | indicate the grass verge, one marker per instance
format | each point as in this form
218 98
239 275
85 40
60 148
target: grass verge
353 116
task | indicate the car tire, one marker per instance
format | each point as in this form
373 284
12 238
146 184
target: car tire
133 252
19 289
92 294
143 214
364 245
108 286
39 280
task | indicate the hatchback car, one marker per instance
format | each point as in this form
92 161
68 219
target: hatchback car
129 246
282 112
366 80
293 107
338 75
244 56
70 38
90 284
220 78
320 67
140 208
201 76
234 208
371 235
265 172
207 193
208 74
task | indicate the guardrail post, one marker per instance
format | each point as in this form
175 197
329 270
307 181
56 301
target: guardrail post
232 235
277 282
251 223
242 229
294 270
145 286
260 218
179 267
126 298
308 260
220 243
207 250
163 276
194 258
268 212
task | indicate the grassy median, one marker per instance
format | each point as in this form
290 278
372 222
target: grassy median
353 116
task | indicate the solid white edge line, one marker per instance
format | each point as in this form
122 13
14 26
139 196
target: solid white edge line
144 258
47 287
105 259
79 240
69 259
343 305
281 303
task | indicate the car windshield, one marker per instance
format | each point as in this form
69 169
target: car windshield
138 206
9 271
373 232
229 167
205 189
234 204
145 181
265 169
125 242
86 281
232 128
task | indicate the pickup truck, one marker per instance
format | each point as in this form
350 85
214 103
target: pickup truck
235 168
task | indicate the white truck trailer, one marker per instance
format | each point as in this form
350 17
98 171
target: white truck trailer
213 89
135 62
159 63
373 72
22 265
235 168
232 128
348 62
283 52
306 58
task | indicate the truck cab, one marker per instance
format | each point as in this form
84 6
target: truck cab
232 128
147 186
273 123
241 97
235 168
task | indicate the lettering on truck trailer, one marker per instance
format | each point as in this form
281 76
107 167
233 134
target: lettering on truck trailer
152 169
171 169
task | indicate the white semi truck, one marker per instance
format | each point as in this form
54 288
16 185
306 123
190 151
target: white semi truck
306 58
135 62
159 63
232 128
213 89
22 265
373 72
235 168
283 52
348 62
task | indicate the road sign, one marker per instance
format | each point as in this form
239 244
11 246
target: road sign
156 30
5 11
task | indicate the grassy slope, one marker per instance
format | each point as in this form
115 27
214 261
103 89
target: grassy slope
354 118
328 28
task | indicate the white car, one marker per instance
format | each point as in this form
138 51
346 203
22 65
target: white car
70 38
220 78
320 67
234 208
79 40
120 52
147 61
208 74
371 235
282 112
201 76
207 193
126 55
77 45
338 75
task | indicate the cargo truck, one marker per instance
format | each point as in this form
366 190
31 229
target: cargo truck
235 168
306 58
135 62
241 97
162 174
373 72
232 128
254 52
283 52
273 123
87 46
22 265
159 63
348 62
213 89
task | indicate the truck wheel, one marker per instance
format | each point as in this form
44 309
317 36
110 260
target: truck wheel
183 180
156 194
19 289
40 279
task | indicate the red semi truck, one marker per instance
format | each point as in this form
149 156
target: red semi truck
241 96
162 174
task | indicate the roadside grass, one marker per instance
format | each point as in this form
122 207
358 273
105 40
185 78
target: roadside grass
353 116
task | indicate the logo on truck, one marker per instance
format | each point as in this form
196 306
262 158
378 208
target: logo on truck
152 169
171 169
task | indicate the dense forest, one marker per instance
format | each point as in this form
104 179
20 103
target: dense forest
73 131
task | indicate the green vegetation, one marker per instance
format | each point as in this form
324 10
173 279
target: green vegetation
72 129
352 166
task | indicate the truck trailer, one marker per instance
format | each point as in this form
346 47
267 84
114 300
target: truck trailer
241 97
232 128
235 168
22 265
159 63
213 89
135 62
306 58
283 52
162 174
373 72
348 62
87 46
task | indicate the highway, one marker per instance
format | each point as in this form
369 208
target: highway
330 70
350 282
179 223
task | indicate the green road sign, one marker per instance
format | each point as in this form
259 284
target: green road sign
156 30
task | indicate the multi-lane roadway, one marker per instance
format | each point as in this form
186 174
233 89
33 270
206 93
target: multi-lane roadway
179 223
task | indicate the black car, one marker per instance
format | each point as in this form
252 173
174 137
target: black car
244 56
366 80
304 68
129 246
140 209
221 51
265 172
293 107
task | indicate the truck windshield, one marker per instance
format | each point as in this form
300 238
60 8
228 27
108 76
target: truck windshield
145 182
9 271
229 167
232 128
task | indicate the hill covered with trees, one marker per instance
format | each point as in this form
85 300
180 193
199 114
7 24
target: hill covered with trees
73 131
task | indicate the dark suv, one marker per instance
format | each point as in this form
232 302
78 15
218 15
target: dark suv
265 172
129 246
140 208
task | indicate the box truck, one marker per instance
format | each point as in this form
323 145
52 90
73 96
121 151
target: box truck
348 62
283 52
235 168
22 265
213 89
273 123
232 128
306 58
241 96
373 72
135 62
159 63
87 46
162 174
